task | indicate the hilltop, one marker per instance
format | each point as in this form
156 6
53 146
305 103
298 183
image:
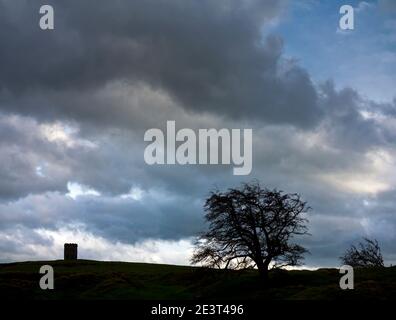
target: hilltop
85 279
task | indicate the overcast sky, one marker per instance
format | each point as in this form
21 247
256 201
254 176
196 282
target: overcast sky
76 101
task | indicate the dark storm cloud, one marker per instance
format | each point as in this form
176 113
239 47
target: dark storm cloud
208 55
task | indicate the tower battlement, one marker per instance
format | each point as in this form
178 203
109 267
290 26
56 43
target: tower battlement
70 251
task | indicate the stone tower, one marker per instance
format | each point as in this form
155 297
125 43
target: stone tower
70 252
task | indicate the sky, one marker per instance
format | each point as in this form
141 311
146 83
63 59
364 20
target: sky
76 101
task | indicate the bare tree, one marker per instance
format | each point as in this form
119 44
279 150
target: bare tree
368 254
252 227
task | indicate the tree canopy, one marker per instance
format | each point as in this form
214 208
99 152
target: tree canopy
252 226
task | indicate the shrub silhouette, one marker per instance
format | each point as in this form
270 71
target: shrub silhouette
368 254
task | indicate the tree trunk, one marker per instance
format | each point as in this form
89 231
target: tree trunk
263 272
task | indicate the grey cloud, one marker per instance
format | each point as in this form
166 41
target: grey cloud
344 121
387 6
22 151
159 215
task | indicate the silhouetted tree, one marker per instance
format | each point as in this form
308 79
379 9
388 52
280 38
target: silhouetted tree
367 255
252 227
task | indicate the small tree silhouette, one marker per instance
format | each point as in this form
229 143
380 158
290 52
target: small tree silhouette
252 227
367 255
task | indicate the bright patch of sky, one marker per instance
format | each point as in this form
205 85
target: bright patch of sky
77 190
363 58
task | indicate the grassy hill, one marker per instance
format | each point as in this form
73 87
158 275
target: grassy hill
119 280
